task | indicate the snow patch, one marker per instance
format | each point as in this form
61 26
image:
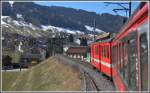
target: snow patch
11 3
79 32
22 23
70 31
45 27
89 28
19 16
32 26
89 41
77 41
3 38
66 48
3 17
2 22
28 31
92 28
59 29
16 22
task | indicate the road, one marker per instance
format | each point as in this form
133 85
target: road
14 70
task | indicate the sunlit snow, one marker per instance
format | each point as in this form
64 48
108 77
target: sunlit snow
11 3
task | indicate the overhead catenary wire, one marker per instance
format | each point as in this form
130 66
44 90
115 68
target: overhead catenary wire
122 7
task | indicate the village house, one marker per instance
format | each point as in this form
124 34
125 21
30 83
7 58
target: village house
77 52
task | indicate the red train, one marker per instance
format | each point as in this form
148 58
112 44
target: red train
125 58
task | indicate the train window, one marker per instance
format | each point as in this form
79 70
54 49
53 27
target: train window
144 55
102 51
97 50
126 70
113 55
94 50
133 60
106 56
122 59
105 52
118 57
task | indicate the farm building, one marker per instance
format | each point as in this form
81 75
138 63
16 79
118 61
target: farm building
78 52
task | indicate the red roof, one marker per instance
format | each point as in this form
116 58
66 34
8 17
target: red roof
77 50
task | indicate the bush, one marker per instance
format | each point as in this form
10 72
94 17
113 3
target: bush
16 56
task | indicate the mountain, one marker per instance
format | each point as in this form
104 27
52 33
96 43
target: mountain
62 17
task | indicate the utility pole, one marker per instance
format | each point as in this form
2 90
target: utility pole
123 8
94 22
130 8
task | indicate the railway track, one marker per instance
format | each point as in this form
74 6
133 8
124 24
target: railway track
89 83
92 80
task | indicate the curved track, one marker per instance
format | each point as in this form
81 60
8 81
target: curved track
90 77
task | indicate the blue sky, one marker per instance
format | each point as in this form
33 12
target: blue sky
98 7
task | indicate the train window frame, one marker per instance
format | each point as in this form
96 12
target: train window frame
103 51
126 61
122 60
116 53
118 57
133 37
121 57
108 51
142 29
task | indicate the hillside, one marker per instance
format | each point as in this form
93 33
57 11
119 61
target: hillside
50 75
62 17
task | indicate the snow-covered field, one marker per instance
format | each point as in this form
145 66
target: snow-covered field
89 28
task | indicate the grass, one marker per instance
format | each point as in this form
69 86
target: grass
46 76
14 55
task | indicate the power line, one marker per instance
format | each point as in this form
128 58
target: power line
123 8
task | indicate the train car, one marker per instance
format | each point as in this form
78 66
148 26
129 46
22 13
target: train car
130 53
101 57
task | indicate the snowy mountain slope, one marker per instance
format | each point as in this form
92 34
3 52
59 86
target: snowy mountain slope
62 16
28 29
21 27
60 29
89 28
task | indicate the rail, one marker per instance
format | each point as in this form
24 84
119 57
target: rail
89 83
